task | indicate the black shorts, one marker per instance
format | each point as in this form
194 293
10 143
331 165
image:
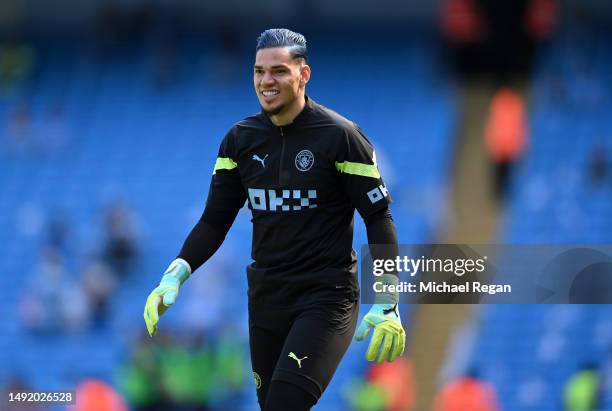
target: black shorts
300 345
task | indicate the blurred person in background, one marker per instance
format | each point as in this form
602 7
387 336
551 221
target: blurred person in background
139 378
496 37
53 302
396 379
47 138
230 357
582 390
99 283
19 130
17 63
362 395
185 374
505 136
95 395
120 243
386 387
467 393
59 232
599 165
304 170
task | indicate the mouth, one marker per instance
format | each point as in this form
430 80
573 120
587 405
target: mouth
270 93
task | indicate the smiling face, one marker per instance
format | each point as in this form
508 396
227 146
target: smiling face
280 81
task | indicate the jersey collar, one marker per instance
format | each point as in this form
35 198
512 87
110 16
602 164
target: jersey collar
301 118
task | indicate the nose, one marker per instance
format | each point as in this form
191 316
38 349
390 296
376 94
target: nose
267 78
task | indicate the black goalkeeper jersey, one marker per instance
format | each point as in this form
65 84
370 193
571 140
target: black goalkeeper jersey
302 182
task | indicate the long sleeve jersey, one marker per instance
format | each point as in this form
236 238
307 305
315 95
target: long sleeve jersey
302 183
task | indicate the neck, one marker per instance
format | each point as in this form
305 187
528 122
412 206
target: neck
290 113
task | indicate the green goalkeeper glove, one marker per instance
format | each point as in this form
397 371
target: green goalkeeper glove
164 295
389 337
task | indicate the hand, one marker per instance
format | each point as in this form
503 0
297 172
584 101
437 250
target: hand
164 295
389 337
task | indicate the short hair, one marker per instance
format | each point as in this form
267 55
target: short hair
283 38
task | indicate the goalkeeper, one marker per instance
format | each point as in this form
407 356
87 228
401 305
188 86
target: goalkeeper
303 170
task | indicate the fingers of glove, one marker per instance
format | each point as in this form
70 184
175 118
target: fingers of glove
401 344
399 340
375 343
151 314
396 348
385 350
363 330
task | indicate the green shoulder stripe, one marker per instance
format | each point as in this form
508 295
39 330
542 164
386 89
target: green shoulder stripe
224 163
359 169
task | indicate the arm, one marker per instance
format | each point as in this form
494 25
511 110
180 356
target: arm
207 236
364 186
381 231
225 198
389 337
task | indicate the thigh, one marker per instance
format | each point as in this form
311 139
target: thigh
267 332
284 396
317 341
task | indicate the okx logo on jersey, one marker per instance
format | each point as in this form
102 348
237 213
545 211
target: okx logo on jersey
281 200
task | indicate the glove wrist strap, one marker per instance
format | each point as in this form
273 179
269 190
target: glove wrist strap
387 297
179 269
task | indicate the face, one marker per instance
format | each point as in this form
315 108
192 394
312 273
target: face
279 79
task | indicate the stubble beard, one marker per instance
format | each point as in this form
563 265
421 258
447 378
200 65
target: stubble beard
278 109
273 112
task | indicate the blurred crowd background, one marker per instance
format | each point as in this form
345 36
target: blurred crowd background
492 124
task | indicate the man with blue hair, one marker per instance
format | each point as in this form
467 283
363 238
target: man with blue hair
303 170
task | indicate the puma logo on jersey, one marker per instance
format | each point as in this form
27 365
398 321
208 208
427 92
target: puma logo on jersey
295 357
261 160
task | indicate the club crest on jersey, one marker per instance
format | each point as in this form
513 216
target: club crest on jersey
304 160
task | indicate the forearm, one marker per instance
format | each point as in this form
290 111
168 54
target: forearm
381 231
206 236
382 238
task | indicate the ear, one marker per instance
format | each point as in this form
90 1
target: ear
304 74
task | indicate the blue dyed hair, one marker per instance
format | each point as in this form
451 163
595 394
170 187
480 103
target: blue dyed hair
284 38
